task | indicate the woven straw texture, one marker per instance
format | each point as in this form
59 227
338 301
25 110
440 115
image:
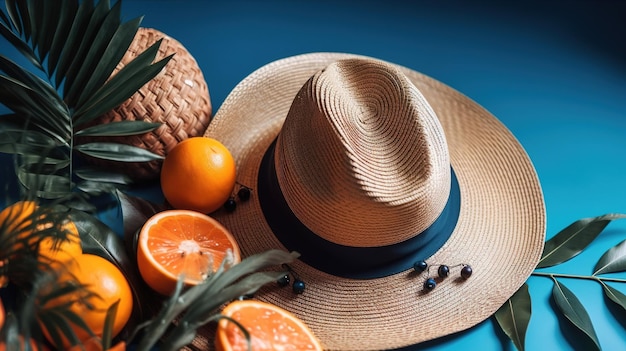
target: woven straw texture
394 157
500 231
178 97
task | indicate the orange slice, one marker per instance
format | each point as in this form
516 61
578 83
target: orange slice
182 242
270 328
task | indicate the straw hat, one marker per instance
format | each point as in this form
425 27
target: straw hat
366 167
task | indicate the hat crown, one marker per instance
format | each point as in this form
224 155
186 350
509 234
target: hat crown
362 159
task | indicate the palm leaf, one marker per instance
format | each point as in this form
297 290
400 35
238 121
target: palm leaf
121 128
121 86
104 29
86 40
77 45
67 13
115 50
100 176
20 45
117 152
15 71
25 101
47 13
12 20
201 301
72 42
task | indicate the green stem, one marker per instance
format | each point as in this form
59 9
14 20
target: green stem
575 276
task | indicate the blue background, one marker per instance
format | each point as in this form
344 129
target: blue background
553 72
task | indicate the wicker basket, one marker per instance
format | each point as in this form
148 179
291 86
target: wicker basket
178 97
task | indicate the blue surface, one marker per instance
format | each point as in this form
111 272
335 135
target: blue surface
553 72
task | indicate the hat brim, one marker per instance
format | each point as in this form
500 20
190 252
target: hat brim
500 231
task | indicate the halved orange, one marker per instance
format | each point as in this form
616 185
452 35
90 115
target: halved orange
270 328
182 242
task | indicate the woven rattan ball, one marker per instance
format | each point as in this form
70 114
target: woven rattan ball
178 97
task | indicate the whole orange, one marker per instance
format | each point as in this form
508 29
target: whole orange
62 250
2 314
108 285
15 218
60 245
198 174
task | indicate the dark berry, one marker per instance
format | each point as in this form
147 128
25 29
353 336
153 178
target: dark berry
430 284
230 205
420 266
284 280
244 194
466 271
443 271
298 286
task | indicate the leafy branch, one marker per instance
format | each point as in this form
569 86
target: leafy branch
76 45
514 316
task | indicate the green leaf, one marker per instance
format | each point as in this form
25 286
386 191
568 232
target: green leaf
614 295
613 260
43 164
6 21
96 188
513 317
119 81
121 128
113 54
210 294
572 240
32 81
73 40
97 175
48 13
86 39
117 152
23 10
203 310
107 333
574 311
20 45
13 15
118 89
135 212
46 186
23 100
35 13
28 142
95 53
68 9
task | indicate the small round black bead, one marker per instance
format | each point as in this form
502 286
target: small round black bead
230 205
244 194
466 271
420 266
298 286
284 280
443 271
430 284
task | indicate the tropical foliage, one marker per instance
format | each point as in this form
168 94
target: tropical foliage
75 47
515 315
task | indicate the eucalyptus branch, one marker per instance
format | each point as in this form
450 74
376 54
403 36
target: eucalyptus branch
576 276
